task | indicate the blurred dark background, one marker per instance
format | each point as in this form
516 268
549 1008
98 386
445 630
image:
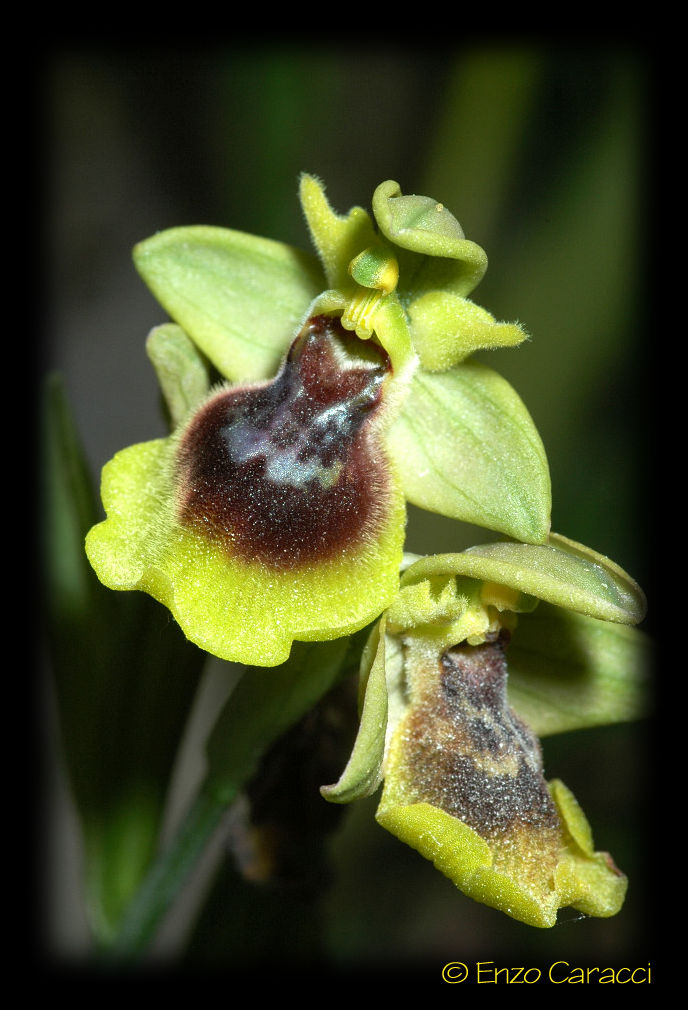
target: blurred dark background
541 151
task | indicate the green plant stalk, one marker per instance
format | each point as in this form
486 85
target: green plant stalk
170 873
264 704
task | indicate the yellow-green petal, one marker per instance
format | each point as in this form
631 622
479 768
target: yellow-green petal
587 880
459 852
464 786
338 238
447 328
590 883
181 369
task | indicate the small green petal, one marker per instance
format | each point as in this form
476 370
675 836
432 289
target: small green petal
338 238
447 328
561 572
468 449
423 226
569 671
181 370
239 297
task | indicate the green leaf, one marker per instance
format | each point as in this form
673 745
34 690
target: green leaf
468 449
76 601
262 706
239 297
568 671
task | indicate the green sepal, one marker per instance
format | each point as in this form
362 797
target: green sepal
560 571
467 448
568 671
181 370
444 259
239 297
363 773
447 328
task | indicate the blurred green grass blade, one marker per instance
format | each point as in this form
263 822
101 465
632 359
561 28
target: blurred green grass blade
124 679
70 506
480 135
554 191
569 266
573 272
79 610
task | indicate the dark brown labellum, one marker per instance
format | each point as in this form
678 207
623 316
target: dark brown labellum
289 472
